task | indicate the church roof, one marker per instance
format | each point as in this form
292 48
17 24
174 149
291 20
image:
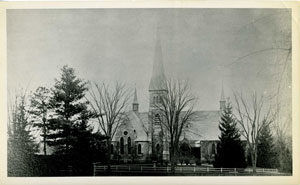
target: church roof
140 123
158 79
205 126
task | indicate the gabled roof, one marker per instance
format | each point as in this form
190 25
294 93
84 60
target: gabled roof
136 121
140 123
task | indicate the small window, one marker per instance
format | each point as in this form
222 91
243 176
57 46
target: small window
139 149
157 119
213 149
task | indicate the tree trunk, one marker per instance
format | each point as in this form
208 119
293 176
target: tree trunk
109 154
173 158
44 130
253 158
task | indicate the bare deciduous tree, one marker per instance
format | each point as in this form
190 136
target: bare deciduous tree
109 105
252 117
177 110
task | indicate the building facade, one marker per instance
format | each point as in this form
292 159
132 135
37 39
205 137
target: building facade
143 139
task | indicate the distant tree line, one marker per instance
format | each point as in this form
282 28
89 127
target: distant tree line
262 148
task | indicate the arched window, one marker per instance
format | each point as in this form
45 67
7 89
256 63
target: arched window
122 145
213 148
129 145
157 148
112 148
139 149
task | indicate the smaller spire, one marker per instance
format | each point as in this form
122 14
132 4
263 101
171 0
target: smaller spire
222 100
135 103
135 100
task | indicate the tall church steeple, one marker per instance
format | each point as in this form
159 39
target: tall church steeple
135 103
157 91
158 79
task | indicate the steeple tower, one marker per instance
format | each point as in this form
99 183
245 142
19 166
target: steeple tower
135 103
157 91
222 99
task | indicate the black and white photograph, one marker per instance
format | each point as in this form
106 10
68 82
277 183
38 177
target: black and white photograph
97 92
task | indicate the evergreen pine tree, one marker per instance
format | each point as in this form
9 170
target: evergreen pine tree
83 144
230 150
21 145
67 103
266 154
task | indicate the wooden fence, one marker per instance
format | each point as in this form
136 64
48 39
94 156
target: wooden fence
179 169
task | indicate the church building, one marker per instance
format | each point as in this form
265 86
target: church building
141 138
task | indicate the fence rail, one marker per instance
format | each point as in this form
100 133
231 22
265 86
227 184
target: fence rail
179 169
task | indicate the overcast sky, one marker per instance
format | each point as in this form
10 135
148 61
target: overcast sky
206 46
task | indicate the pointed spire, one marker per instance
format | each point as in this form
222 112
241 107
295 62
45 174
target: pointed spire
158 79
222 100
135 103
135 100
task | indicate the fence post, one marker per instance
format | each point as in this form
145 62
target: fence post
141 168
167 169
181 169
194 169
263 170
221 170
207 169
128 168
94 169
